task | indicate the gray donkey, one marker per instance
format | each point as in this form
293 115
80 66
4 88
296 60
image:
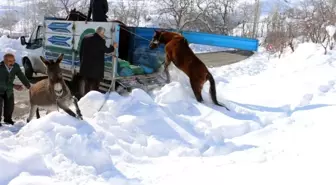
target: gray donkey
52 92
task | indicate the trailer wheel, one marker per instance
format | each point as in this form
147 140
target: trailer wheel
28 69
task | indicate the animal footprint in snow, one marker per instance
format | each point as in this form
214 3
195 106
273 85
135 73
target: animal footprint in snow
324 88
306 99
331 83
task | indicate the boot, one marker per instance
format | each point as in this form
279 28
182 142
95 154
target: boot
9 121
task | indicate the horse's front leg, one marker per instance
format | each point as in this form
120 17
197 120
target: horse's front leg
166 64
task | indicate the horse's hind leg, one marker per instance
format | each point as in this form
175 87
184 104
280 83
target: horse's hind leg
166 64
197 89
37 113
78 111
167 74
33 109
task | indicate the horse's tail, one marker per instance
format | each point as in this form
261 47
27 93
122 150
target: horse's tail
212 90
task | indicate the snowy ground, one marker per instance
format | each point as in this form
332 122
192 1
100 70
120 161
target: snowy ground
12 46
280 131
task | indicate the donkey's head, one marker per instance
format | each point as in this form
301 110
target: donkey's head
54 73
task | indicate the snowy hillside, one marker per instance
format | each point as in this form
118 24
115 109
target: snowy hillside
13 46
280 131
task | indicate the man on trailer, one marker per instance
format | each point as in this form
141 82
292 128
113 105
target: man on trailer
98 9
92 60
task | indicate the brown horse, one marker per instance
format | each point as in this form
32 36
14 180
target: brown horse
177 50
52 92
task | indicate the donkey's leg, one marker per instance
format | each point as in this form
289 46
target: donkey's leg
33 109
78 111
66 109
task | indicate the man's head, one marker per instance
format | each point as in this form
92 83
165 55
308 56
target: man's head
100 31
9 60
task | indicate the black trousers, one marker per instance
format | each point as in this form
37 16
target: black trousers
87 85
7 103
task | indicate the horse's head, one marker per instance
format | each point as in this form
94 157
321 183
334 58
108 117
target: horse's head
156 40
54 73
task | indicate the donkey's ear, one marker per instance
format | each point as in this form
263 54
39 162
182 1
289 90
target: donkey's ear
46 62
60 58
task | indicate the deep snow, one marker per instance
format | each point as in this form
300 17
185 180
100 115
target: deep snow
280 131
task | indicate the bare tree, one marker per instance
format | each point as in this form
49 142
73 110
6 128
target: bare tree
244 16
47 8
178 14
256 18
219 17
276 41
280 32
8 20
129 12
312 16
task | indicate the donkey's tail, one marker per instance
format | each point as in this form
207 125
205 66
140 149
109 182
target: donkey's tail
212 90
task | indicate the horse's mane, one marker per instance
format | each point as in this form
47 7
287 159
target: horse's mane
179 35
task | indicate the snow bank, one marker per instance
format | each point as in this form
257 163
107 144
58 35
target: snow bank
12 46
331 29
282 115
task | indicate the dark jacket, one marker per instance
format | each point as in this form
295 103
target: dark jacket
92 56
7 79
98 9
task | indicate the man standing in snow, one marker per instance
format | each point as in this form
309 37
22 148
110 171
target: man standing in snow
8 70
92 60
98 9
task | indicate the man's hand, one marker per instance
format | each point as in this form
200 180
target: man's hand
115 45
18 87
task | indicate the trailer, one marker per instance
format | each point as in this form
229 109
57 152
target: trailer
132 65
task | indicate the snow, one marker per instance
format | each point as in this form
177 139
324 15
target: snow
13 46
280 130
331 29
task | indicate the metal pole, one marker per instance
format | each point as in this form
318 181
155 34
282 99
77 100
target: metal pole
115 59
